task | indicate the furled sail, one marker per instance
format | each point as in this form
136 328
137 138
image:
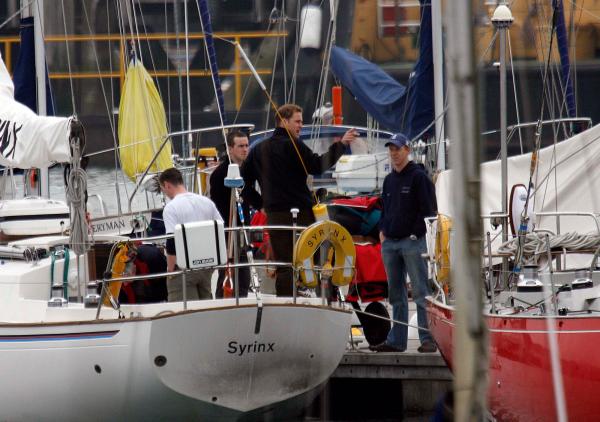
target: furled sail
142 124
26 139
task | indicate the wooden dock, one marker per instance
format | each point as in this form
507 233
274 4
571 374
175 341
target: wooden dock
424 377
384 386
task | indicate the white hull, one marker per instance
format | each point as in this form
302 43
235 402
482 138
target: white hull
111 369
33 217
121 225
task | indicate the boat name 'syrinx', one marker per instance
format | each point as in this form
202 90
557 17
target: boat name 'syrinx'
256 347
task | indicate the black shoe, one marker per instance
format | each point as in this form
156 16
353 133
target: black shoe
386 347
427 347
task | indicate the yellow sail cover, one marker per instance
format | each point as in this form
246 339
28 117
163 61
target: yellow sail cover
142 124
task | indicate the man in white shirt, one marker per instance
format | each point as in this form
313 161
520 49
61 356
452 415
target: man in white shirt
185 207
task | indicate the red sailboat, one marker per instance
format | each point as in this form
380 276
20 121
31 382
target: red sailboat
541 293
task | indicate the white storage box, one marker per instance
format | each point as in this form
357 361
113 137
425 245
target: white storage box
200 244
361 172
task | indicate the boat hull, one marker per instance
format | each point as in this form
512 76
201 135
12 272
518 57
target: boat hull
520 376
203 364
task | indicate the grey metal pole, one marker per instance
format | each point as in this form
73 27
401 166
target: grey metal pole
40 76
438 81
294 212
470 336
502 19
184 288
503 152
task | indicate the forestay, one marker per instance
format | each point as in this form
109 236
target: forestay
26 139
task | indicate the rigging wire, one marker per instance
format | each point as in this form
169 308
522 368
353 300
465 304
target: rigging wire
280 25
512 71
221 112
533 171
111 116
168 61
14 15
62 3
179 76
148 114
292 91
250 80
187 72
156 81
284 51
321 92
104 95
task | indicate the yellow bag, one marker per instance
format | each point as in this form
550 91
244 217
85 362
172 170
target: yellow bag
142 124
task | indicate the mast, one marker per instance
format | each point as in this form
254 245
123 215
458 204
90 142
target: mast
40 77
36 10
502 19
438 81
470 341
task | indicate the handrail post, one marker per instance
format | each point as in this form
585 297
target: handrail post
294 212
184 289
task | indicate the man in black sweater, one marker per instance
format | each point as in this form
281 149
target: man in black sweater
408 197
237 147
281 165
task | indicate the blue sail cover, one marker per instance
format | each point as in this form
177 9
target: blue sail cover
24 73
399 109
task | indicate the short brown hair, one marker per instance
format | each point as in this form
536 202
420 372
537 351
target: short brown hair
235 134
172 176
286 111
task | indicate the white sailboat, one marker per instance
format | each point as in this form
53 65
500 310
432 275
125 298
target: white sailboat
257 357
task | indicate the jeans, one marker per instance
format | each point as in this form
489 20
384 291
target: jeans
402 256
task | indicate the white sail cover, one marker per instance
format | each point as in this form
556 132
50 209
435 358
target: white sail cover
26 139
574 187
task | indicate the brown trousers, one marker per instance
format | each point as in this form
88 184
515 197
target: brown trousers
283 248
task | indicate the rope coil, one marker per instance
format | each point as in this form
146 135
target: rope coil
536 244
76 192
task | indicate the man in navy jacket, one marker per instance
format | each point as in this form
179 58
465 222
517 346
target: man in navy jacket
408 197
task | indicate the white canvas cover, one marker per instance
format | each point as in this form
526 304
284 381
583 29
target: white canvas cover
574 187
26 139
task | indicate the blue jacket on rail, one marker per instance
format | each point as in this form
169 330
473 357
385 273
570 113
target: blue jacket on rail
408 197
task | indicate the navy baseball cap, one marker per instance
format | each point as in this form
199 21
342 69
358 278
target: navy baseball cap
398 139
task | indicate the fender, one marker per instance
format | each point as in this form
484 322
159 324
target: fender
122 266
311 240
442 250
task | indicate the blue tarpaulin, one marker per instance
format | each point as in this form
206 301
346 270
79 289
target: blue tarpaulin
396 107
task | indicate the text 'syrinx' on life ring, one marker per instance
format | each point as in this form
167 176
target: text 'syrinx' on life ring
310 241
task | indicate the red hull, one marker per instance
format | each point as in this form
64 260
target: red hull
520 386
